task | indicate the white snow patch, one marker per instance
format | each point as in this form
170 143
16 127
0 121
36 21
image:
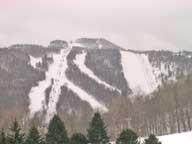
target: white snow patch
75 44
100 46
80 62
181 138
138 72
189 56
37 96
34 61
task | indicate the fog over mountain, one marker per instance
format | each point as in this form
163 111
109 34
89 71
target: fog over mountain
139 24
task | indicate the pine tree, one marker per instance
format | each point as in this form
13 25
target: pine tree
3 139
34 136
15 136
152 140
78 138
57 133
127 137
97 133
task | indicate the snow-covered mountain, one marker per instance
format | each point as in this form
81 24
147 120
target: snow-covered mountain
96 70
86 74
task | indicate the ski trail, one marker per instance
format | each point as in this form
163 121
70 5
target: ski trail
61 79
138 72
57 81
80 62
55 77
37 93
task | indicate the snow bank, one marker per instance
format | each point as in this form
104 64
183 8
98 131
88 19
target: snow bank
75 44
181 138
80 62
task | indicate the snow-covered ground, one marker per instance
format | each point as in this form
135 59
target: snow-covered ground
80 62
138 72
181 138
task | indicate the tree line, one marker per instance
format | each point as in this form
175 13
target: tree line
57 134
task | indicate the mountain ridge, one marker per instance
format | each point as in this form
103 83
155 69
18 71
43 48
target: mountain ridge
85 78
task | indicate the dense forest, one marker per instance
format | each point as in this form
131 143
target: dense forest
56 133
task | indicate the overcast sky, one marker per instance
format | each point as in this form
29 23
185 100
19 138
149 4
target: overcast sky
134 24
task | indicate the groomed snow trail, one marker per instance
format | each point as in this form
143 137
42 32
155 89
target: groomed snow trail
138 72
57 82
55 77
62 79
37 93
80 62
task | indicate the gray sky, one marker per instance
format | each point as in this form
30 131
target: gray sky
134 24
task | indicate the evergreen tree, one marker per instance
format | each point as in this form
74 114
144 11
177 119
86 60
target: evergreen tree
3 139
127 137
78 138
15 136
57 133
97 133
34 136
152 140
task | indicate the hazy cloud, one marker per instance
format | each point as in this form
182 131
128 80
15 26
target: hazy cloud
138 24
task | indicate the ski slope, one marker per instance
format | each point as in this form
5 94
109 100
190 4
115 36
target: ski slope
61 79
80 62
37 93
57 82
138 72
56 78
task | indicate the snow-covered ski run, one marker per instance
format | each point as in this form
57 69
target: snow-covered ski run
80 62
56 78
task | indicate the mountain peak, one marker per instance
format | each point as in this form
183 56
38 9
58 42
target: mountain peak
97 43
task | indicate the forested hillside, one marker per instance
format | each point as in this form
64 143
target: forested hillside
167 110
148 91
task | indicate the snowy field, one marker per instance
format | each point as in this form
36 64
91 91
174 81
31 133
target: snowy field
182 138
